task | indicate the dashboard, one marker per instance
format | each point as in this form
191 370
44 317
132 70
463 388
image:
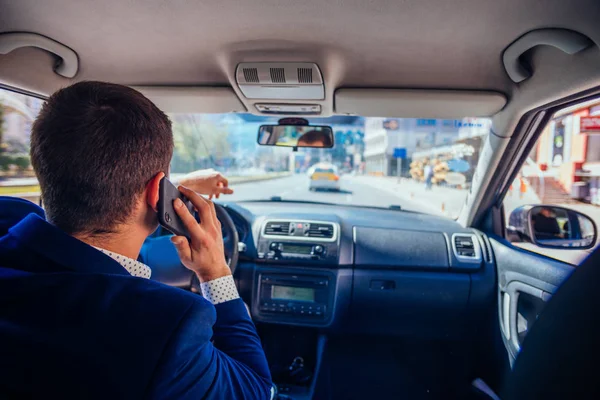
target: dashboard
361 270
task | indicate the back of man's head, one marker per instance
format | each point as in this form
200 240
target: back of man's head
94 148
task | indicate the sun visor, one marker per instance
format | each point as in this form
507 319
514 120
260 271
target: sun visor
414 103
213 100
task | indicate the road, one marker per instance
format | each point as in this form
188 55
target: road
353 192
19 182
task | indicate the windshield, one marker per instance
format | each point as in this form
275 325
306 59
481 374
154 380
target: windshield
423 165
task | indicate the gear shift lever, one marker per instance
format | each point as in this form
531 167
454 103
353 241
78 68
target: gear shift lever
298 375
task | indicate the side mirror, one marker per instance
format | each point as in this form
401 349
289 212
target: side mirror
551 227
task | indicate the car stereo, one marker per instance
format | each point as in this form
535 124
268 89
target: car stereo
299 241
290 251
299 297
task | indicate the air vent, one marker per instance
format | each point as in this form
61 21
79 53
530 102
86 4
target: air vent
277 75
320 231
464 246
277 228
305 75
280 81
251 75
487 252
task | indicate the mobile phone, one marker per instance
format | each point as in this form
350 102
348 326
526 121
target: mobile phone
167 216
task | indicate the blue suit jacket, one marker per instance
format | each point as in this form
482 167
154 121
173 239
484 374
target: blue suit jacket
75 324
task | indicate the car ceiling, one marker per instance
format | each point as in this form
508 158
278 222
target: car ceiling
378 43
357 43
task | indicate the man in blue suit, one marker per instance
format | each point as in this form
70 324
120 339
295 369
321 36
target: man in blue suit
78 316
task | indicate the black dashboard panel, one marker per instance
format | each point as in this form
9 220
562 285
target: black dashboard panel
395 272
399 248
409 302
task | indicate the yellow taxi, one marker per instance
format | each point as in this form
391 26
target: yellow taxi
324 176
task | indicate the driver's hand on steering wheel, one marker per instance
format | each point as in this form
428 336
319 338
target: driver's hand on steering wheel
204 252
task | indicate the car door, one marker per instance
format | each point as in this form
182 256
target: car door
526 281
559 171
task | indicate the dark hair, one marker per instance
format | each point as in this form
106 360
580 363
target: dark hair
314 136
94 147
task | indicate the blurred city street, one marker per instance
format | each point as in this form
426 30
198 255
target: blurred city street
355 190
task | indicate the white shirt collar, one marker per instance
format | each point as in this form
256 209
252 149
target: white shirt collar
134 267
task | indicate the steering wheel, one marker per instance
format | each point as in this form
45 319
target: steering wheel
160 255
230 237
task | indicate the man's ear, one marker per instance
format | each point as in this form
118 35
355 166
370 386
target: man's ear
152 190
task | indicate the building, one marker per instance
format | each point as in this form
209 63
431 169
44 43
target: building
566 156
376 147
390 144
19 112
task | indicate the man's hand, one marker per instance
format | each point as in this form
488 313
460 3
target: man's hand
208 182
204 253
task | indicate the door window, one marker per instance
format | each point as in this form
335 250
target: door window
17 113
563 169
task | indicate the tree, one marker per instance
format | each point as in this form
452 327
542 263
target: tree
197 140
1 128
5 162
21 162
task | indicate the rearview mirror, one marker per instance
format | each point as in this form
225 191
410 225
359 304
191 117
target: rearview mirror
295 136
551 227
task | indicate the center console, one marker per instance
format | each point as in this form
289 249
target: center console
296 297
297 284
288 294
299 241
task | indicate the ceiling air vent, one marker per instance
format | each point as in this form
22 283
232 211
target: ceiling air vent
466 247
277 75
305 75
277 228
324 231
251 75
280 81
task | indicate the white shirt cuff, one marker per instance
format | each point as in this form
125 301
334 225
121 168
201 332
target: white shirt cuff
220 290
